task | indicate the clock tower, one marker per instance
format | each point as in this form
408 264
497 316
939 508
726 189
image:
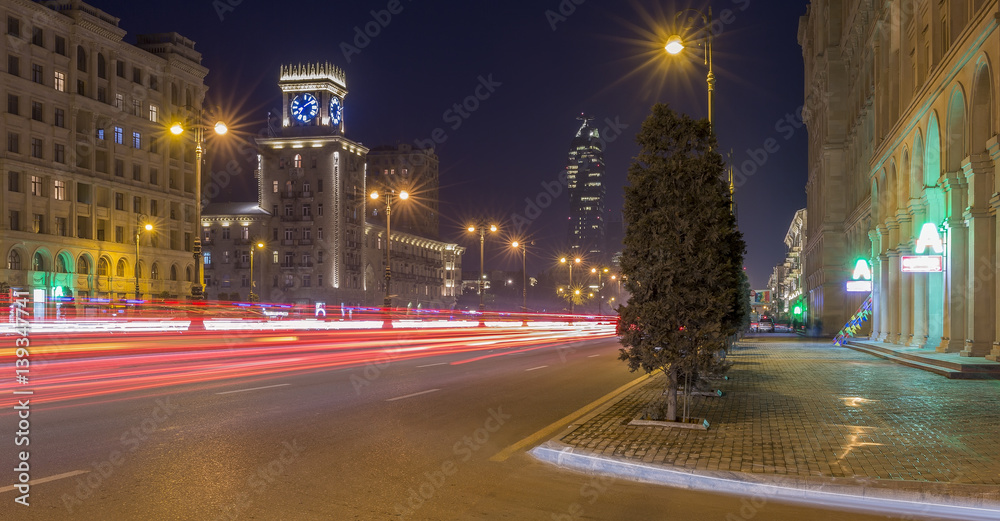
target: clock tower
313 96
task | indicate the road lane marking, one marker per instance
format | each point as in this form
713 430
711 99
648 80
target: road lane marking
592 356
46 480
253 389
534 368
552 428
432 365
412 395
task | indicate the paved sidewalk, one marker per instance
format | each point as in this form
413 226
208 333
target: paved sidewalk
819 414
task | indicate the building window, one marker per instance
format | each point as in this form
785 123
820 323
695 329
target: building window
306 187
136 204
120 68
37 110
319 233
135 107
120 270
319 185
307 210
119 168
100 134
37 73
119 135
59 190
208 258
306 281
137 172
319 209
154 208
36 148
297 161
154 176
15 220
60 118
81 59
14 26
154 113
38 262
13 181
14 105
319 281
119 101
14 260
307 233
119 201
37 36
119 234
59 81
60 45
319 257
289 211
154 82
225 232
38 223
36 186
244 281
154 271
136 75
274 259
13 143
289 234
136 140
59 153
102 94
13 65
275 185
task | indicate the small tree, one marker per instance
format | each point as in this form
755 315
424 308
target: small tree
682 255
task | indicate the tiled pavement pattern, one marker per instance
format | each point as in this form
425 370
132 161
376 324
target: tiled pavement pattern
799 408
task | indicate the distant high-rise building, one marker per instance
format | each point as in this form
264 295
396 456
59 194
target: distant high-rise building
585 175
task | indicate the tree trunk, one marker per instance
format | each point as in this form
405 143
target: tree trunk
671 393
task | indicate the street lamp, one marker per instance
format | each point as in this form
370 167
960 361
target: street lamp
572 298
253 297
199 126
598 271
675 44
482 228
138 232
389 195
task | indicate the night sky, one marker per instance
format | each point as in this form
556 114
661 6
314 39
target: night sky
547 61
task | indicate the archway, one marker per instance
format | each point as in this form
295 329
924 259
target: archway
934 198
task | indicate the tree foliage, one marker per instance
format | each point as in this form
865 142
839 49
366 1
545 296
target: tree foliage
683 256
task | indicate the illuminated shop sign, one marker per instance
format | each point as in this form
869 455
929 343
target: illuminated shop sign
921 263
862 276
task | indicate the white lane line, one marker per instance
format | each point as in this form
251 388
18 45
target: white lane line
253 389
534 368
412 395
592 356
432 365
46 480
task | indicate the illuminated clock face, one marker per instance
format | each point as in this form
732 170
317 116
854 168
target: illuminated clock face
336 111
304 108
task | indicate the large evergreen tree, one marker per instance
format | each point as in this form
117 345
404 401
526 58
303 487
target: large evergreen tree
683 256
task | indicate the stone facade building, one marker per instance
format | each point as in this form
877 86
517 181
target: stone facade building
86 158
311 216
902 125
787 282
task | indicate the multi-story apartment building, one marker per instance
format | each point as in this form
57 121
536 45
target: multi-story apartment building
585 177
310 217
85 158
902 122
404 167
787 281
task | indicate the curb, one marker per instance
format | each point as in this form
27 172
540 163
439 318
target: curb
922 499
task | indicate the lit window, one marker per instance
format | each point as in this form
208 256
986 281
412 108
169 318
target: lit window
119 135
154 113
59 82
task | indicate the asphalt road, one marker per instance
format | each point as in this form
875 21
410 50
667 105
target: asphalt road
392 439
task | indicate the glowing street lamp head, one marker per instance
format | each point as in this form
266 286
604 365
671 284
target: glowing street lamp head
374 194
260 245
472 228
577 292
404 195
149 227
493 227
515 244
606 270
674 44
593 270
176 129
577 260
221 128
563 260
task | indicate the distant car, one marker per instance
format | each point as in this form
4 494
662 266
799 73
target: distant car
765 325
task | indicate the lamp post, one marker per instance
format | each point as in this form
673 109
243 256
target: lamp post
220 128
524 273
572 296
675 44
389 195
253 249
598 271
139 227
482 228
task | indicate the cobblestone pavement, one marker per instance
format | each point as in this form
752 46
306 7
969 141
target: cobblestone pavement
807 409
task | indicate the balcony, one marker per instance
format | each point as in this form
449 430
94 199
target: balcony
287 264
305 264
305 242
288 242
